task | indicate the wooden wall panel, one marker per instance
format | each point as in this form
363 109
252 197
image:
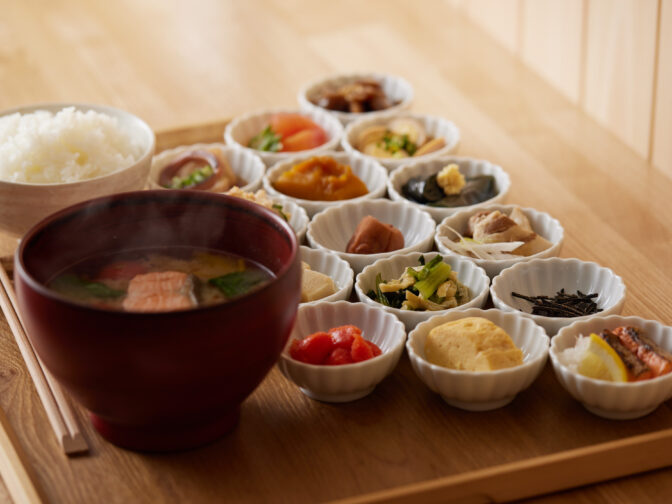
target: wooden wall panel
662 140
500 18
552 33
620 58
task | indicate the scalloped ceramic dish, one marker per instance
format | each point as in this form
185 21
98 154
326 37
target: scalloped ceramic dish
486 390
435 127
395 88
546 277
393 267
542 223
298 218
346 382
242 129
617 401
468 167
248 167
369 171
332 266
332 228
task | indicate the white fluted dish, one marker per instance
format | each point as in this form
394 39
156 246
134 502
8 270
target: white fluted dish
242 129
483 390
298 218
332 228
370 172
396 89
247 166
542 224
346 382
393 267
617 401
332 266
24 204
468 167
545 277
435 127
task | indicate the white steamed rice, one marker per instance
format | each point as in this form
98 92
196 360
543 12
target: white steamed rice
69 146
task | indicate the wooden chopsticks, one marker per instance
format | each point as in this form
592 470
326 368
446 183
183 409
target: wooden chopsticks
53 399
14 468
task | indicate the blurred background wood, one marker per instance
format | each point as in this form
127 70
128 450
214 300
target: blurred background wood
514 75
614 59
662 127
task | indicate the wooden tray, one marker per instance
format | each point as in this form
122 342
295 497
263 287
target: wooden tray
400 444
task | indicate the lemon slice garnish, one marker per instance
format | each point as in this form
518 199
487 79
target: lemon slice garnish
600 361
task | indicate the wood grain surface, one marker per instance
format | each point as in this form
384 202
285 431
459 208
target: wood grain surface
183 63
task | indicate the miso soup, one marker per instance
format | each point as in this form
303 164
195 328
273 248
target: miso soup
159 280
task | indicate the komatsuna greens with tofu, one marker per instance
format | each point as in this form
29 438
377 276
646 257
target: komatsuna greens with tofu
432 286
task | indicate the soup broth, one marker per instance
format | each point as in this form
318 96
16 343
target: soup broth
158 280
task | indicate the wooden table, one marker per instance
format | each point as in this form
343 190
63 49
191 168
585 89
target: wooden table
199 62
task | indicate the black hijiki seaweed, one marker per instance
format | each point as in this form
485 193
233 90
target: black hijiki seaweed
562 304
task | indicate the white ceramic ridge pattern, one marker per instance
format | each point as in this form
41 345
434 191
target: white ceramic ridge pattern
332 266
393 267
542 224
395 88
546 277
349 381
619 401
369 171
247 166
332 228
480 391
242 129
298 218
435 127
468 167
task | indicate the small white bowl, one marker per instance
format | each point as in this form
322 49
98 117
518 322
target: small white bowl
545 277
332 228
24 204
248 167
618 401
298 218
332 266
542 224
468 167
483 390
369 171
242 129
346 382
393 267
395 88
435 127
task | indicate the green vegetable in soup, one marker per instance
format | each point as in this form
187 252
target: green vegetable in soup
239 282
76 287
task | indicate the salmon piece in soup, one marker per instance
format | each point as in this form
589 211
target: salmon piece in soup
159 292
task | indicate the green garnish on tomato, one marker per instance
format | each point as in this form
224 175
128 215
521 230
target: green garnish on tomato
266 141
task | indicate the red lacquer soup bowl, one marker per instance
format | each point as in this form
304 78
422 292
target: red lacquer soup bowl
171 380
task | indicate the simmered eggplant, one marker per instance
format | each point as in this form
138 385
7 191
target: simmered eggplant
427 191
